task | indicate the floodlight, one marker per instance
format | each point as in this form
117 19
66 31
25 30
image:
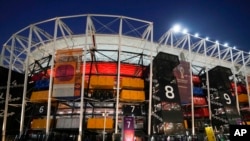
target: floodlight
185 31
196 35
176 28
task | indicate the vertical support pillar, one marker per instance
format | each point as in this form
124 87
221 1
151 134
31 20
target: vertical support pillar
80 131
118 81
150 84
25 83
48 119
8 91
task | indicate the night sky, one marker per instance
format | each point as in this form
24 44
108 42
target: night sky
223 20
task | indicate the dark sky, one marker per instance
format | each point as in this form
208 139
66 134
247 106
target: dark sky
223 20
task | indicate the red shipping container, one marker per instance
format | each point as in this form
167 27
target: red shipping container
199 101
196 79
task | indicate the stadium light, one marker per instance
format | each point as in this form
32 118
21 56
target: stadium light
207 38
196 35
184 31
177 28
217 42
226 44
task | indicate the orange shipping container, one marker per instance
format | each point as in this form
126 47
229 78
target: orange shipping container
39 123
242 98
132 83
39 96
103 82
132 95
98 123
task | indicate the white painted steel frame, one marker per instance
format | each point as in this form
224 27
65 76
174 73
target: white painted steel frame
25 86
200 54
40 43
207 54
7 96
43 38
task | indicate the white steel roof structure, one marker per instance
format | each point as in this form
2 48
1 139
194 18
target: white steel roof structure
205 53
105 33
114 38
111 33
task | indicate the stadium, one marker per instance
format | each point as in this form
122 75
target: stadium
105 77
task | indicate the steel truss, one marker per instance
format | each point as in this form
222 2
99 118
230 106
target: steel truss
25 49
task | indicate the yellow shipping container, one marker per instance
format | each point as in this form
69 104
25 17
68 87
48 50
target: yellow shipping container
103 82
39 123
132 83
98 123
39 96
242 98
132 95
91 123
210 134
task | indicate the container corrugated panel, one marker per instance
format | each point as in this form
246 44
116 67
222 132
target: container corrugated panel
103 82
98 123
132 83
141 95
242 98
68 123
132 95
91 123
210 134
198 91
196 79
39 96
63 90
39 123
247 123
240 88
199 100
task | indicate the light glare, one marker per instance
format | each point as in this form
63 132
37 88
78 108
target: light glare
196 35
177 28
184 31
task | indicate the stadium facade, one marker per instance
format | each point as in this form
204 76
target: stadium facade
96 77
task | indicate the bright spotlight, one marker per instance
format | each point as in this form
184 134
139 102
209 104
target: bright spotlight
207 38
185 31
176 28
234 47
196 35
226 44
217 42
